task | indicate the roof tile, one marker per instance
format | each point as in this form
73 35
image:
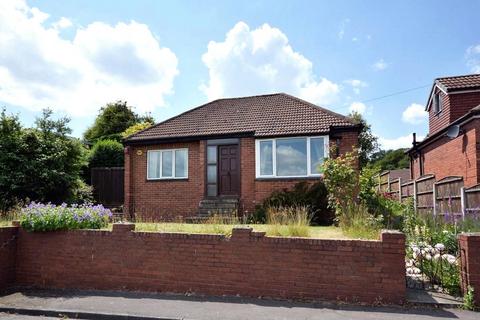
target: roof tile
266 115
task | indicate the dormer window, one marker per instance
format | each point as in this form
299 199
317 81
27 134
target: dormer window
437 103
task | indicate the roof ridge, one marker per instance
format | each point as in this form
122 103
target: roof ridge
459 76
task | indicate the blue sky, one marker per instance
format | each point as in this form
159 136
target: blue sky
167 57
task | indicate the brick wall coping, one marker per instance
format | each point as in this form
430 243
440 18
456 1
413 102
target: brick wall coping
239 233
469 235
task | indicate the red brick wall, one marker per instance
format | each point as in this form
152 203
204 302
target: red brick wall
454 157
174 199
442 119
247 264
164 199
8 241
469 245
454 105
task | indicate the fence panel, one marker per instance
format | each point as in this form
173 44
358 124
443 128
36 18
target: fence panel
448 196
424 193
107 186
472 201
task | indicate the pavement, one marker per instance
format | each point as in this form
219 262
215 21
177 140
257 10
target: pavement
42 304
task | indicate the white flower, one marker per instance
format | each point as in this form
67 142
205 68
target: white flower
440 246
450 259
437 256
428 256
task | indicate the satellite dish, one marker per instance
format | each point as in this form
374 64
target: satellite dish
453 131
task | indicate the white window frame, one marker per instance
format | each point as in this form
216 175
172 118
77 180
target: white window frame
326 149
172 177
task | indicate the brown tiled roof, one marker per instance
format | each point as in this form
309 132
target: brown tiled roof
266 115
466 82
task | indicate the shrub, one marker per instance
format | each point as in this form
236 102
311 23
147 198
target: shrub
303 194
48 217
42 163
136 128
107 153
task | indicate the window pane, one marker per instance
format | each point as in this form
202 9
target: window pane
181 163
166 163
153 165
266 159
212 154
212 190
317 152
292 157
212 174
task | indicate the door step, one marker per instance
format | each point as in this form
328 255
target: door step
220 206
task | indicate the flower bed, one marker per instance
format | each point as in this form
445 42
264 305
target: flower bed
49 217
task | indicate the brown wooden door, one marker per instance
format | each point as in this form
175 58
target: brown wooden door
228 170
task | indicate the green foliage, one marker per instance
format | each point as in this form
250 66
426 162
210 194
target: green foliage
390 160
469 299
48 217
41 163
303 194
367 141
107 153
136 128
112 120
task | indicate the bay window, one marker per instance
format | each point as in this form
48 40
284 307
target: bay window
290 157
167 164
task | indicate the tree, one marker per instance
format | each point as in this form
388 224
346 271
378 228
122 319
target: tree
112 120
136 128
367 141
41 163
390 159
106 153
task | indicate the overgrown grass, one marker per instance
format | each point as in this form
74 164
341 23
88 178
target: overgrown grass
288 221
330 232
7 218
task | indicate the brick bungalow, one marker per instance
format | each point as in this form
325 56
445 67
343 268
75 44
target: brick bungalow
229 153
453 101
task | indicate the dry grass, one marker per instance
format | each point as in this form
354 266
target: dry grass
330 232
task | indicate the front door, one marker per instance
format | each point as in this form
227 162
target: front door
228 170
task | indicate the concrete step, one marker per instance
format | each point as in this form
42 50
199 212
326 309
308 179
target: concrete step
221 206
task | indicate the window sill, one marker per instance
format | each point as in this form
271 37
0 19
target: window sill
288 178
166 179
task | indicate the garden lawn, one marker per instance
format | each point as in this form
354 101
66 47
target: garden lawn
329 232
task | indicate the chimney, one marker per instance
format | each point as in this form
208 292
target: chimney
414 140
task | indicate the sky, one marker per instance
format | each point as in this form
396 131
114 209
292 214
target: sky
378 58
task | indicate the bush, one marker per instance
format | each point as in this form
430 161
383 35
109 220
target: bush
107 153
136 128
303 194
42 163
48 217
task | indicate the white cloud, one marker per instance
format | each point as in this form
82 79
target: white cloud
356 84
473 58
415 114
257 61
358 107
102 63
343 25
62 23
380 65
397 143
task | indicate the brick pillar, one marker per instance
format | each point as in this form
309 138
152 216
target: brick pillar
128 196
469 245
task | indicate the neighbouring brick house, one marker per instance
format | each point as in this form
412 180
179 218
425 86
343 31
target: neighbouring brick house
453 101
229 153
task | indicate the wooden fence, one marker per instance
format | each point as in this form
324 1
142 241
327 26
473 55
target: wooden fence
107 186
447 197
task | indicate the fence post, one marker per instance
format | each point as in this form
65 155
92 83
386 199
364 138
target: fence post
400 189
389 188
415 195
434 193
463 200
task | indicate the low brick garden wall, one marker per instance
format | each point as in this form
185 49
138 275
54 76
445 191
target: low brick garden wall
8 237
247 264
469 245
